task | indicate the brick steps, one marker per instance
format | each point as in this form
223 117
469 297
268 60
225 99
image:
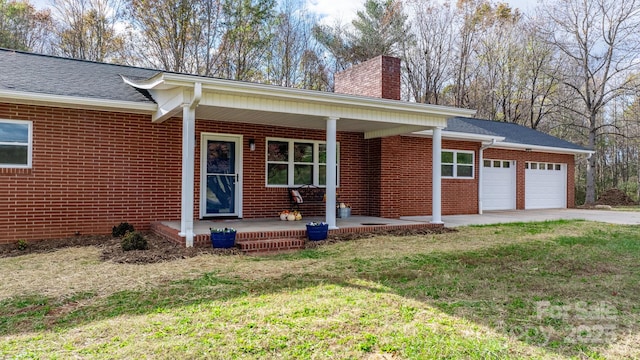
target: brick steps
270 245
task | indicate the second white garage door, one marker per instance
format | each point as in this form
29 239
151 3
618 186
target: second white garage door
545 185
498 185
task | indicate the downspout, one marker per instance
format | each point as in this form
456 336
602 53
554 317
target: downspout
481 173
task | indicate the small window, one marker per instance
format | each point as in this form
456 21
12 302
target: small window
558 167
526 165
496 163
506 164
486 163
457 164
15 143
534 166
550 167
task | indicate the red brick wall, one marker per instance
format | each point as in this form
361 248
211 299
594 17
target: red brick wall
91 170
459 196
260 201
378 77
413 179
384 171
523 156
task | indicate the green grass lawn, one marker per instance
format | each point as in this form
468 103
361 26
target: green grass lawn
536 290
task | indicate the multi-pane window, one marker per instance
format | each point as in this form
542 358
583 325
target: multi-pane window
296 162
542 166
15 143
457 164
496 163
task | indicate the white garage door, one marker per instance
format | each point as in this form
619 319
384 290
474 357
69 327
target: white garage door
545 185
498 185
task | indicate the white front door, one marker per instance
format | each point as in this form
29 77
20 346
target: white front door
545 185
221 175
498 185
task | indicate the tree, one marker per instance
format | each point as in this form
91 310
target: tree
292 41
22 27
167 29
86 29
246 38
428 60
598 41
379 29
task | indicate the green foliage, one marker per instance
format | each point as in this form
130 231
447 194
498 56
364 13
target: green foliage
380 29
134 241
21 26
22 245
122 229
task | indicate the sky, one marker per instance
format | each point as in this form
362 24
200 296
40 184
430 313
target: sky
345 10
340 10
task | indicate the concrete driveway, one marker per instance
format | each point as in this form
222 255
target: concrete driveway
495 217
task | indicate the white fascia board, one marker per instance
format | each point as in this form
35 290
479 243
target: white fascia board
168 80
538 148
76 102
453 135
169 103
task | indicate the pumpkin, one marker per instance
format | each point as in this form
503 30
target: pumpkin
298 216
291 217
283 216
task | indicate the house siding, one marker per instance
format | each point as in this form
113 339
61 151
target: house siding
91 170
94 169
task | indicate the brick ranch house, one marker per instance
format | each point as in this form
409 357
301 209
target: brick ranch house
85 146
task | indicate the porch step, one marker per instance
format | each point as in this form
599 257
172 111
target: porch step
270 245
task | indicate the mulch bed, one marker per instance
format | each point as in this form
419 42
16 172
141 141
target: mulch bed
161 249
615 197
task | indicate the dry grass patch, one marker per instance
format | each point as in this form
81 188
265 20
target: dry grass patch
467 294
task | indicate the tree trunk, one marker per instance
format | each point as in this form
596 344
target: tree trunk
590 197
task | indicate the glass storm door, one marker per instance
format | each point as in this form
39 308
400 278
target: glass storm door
221 178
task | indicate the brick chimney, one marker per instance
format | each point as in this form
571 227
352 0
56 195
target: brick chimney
378 77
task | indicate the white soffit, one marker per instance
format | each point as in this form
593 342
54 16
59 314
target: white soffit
228 96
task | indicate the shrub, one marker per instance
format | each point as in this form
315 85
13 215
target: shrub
122 229
22 245
134 241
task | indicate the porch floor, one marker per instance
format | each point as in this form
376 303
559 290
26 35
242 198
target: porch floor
250 230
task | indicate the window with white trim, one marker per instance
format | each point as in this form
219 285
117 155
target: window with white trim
15 143
457 164
297 162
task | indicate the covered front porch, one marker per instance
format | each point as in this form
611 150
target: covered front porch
262 235
244 107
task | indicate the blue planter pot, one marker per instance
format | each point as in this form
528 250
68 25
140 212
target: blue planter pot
318 232
223 240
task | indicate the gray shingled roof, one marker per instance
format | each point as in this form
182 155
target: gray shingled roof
53 75
513 133
68 77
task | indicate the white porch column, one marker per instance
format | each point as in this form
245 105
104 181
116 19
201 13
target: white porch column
188 165
331 173
436 185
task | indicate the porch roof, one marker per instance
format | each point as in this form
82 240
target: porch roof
237 101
